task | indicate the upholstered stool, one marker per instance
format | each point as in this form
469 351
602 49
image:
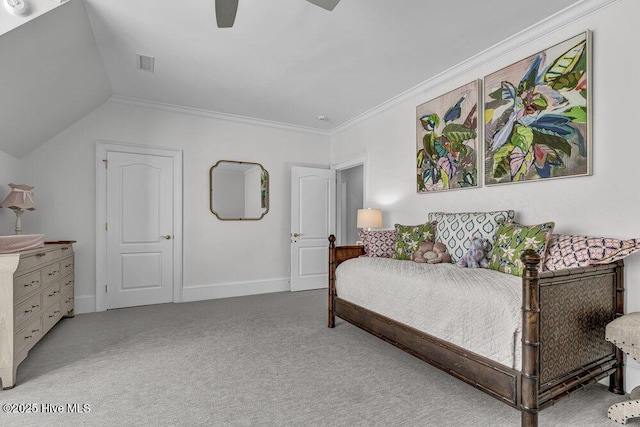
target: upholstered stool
624 333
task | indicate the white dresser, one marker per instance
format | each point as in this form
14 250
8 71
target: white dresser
36 290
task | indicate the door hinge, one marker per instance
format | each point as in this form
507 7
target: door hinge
106 163
106 289
106 226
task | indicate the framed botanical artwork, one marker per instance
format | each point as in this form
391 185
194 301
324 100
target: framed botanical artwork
537 115
447 140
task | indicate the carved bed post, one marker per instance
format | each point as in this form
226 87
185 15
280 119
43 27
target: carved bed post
331 322
530 339
616 380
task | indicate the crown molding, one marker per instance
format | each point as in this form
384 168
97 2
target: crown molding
528 35
117 99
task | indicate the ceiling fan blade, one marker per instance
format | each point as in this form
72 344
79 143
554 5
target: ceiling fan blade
226 12
325 4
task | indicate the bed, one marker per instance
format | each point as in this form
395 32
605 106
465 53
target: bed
562 328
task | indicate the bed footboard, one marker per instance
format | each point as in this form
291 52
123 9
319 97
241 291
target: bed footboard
564 315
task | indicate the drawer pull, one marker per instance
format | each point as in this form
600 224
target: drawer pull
56 312
27 337
27 285
41 254
64 249
56 292
35 331
32 308
52 315
68 265
53 273
53 294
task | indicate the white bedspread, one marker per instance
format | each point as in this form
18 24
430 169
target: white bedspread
475 308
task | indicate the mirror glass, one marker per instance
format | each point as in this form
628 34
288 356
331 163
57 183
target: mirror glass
238 190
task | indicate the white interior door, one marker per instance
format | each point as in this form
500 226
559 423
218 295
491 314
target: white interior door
139 209
313 219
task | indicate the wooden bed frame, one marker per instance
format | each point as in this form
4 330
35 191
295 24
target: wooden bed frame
564 314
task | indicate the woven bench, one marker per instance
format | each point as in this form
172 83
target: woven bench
624 333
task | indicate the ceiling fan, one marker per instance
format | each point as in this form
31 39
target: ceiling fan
226 10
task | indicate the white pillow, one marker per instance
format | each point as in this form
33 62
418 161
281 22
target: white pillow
456 229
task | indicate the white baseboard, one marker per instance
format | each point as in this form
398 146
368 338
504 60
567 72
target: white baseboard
84 304
235 289
632 374
87 304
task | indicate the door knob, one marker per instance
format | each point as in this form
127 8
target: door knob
297 234
168 237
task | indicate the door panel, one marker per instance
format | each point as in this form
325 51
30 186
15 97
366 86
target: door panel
140 192
141 270
312 221
140 221
313 261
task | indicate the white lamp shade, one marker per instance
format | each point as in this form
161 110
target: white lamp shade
369 218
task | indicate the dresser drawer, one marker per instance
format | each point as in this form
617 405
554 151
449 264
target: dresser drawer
27 309
67 303
26 337
50 295
66 266
51 316
50 273
25 285
38 259
37 291
66 285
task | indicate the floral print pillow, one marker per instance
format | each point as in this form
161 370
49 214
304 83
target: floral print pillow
513 239
409 237
378 243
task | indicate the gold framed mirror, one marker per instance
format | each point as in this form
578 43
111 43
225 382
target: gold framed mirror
238 191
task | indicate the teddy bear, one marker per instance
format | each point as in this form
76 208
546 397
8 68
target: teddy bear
475 256
431 253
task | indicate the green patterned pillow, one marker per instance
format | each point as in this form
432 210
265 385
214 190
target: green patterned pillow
409 237
513 239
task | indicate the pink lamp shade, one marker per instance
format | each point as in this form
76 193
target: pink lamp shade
20 197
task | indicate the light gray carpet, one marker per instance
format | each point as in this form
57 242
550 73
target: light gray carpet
258 360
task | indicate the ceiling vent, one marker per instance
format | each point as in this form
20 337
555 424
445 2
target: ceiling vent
145 62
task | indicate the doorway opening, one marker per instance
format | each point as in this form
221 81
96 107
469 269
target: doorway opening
351 195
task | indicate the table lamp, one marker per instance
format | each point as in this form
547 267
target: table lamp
369 218
20 199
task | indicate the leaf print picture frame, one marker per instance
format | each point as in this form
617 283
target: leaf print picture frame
537 115
447 140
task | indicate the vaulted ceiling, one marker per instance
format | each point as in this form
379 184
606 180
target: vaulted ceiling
284 61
